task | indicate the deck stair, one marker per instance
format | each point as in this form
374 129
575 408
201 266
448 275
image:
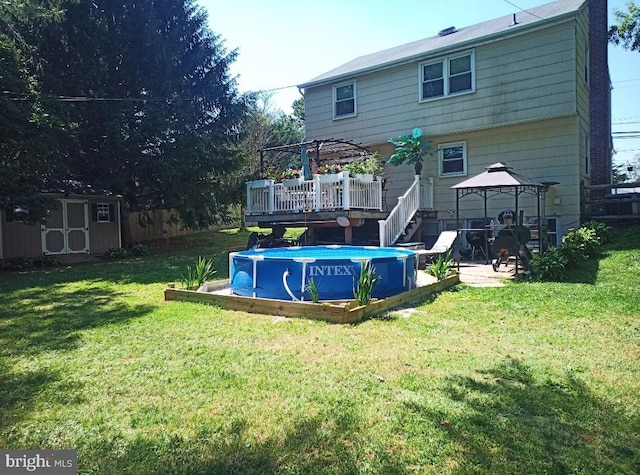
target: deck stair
411 229
395 226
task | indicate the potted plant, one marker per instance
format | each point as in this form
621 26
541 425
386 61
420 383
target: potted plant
267 177
411 149
290 177
329 172
329 169
367 169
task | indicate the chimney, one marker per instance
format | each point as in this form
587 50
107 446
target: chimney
600 94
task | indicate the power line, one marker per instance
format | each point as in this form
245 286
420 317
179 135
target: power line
21 96
626 80
523 10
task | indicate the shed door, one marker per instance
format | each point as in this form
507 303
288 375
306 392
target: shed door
67 229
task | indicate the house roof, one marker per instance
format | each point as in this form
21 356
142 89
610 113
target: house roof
498 175
462 37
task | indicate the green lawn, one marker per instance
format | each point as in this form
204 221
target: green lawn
531 378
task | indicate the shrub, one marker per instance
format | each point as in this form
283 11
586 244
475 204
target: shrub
551 265
114 253
604 233
18 263
573 254
139 250
45 261
584 238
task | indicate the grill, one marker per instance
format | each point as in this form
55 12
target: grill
476 238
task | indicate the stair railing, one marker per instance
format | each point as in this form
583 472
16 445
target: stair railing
392 228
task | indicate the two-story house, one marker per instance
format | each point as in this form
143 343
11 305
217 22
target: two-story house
530 90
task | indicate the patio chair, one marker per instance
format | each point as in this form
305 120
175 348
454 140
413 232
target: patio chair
442 246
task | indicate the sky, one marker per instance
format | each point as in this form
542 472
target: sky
282 43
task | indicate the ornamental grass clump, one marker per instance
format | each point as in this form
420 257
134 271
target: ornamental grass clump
366 283
441 268
197 275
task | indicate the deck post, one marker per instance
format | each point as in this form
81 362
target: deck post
382 232
346 191
317 192
272 199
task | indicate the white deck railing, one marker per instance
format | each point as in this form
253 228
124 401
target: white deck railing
322 193
395 224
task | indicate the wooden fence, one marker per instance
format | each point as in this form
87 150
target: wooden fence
154 225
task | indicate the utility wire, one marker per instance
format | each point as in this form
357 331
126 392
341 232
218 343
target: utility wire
21 96
523 10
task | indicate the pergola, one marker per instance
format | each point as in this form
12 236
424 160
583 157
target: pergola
332 149
497 180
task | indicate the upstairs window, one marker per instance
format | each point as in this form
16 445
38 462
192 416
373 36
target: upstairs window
344 100
452 159
447 76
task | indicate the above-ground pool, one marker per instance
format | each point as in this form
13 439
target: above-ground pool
284 273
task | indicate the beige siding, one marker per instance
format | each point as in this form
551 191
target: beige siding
20 240
518 79
544 151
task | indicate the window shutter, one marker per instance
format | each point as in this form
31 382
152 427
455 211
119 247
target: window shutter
112 212
94 212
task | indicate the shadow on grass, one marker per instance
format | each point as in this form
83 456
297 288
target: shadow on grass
511 422
314 445
37 321
586 273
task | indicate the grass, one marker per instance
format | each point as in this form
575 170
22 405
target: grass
532 378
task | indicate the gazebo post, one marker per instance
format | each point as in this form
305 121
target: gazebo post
458 221
538 221
484 225
515 234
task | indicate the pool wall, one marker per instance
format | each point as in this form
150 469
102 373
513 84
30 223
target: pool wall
285 273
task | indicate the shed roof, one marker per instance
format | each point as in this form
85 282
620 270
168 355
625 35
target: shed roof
462 37
498 175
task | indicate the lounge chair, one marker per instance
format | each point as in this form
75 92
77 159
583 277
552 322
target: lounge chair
442 246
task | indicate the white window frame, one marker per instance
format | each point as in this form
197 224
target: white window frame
335 100
441 148
102 210
446 76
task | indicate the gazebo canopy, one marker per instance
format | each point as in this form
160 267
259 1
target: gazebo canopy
498 176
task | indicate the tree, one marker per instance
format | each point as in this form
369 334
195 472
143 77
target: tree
263 127
153 110
627 27
29 157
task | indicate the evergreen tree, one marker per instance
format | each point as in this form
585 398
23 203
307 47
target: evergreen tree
154 112
29 133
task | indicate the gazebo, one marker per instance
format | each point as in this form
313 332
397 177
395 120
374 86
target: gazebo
497 180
